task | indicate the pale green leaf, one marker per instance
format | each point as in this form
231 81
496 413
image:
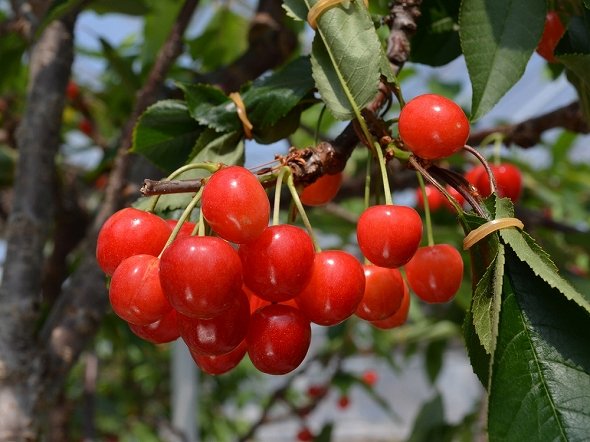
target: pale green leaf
498 38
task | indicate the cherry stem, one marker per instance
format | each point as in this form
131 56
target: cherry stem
485 164
277 201
185 215
383 169
210 167
497 138
426 204
300 209
368 179
201 225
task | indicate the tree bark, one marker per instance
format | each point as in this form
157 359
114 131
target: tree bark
28 229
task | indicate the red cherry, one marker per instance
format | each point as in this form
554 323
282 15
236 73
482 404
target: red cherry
508 181
370 377
321 191
435 198
200 275
130 232
552 33
432 126
317 391
384 290
220 334
220 364
72 91
305 435
86 126
454 193
278 338
135 292
235 204
435 273
335 290
277 265
389 235
473 174
186 229
343 402
399 317
160 332
257 302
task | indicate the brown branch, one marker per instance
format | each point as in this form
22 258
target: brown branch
528 133
76 315
28 228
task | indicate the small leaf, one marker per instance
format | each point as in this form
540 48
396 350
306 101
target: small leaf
121 65
225 148
536 258
347 59
540 383
156 27
430 421
129 7
211 107
166 134
296 9
498 39
434 355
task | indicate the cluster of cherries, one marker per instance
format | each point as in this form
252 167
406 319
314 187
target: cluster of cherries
256 289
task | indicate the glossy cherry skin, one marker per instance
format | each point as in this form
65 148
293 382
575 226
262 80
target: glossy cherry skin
321 191
552 33
160 332
389 235
455 194
235 204
508 181
435 198
277 265
130 232
432 126
384 291
220 364
278 338
335 289
399 317
186 229
135 292
220 334
435 273
257 302
200 275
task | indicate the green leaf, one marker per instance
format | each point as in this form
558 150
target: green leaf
434 355
429 422
166 134
540 383
213 51
156 27
486 303
226 148
121 65
436 41
347 59
12 68
129 7
536 258
498 39
296 9
211 107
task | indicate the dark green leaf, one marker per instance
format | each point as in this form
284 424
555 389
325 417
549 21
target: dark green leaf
536 258
325 434
129 7
8 158
211 107
347 59
213 51
498 39
540 383
121 65
296 9
434 359
480 360
430 422
12 68
213 147
436 41
157 26
166 134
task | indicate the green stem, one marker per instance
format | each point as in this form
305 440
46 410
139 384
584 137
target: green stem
426 210
201 225
185 215
277 201
368 179
383 169
301 210
210 167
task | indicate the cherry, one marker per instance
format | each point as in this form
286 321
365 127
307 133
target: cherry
235 204
432 126
321 191
335 290
508 181
384 290
435 273
277 265
200 275
130 232
278 338
185 230
305 435
389 235
552 33
159 332
317 391
220 364
370 377
343 402
135 292
435 198
86 126
399 317
72 91
455 194
473 174
219 334
257 302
